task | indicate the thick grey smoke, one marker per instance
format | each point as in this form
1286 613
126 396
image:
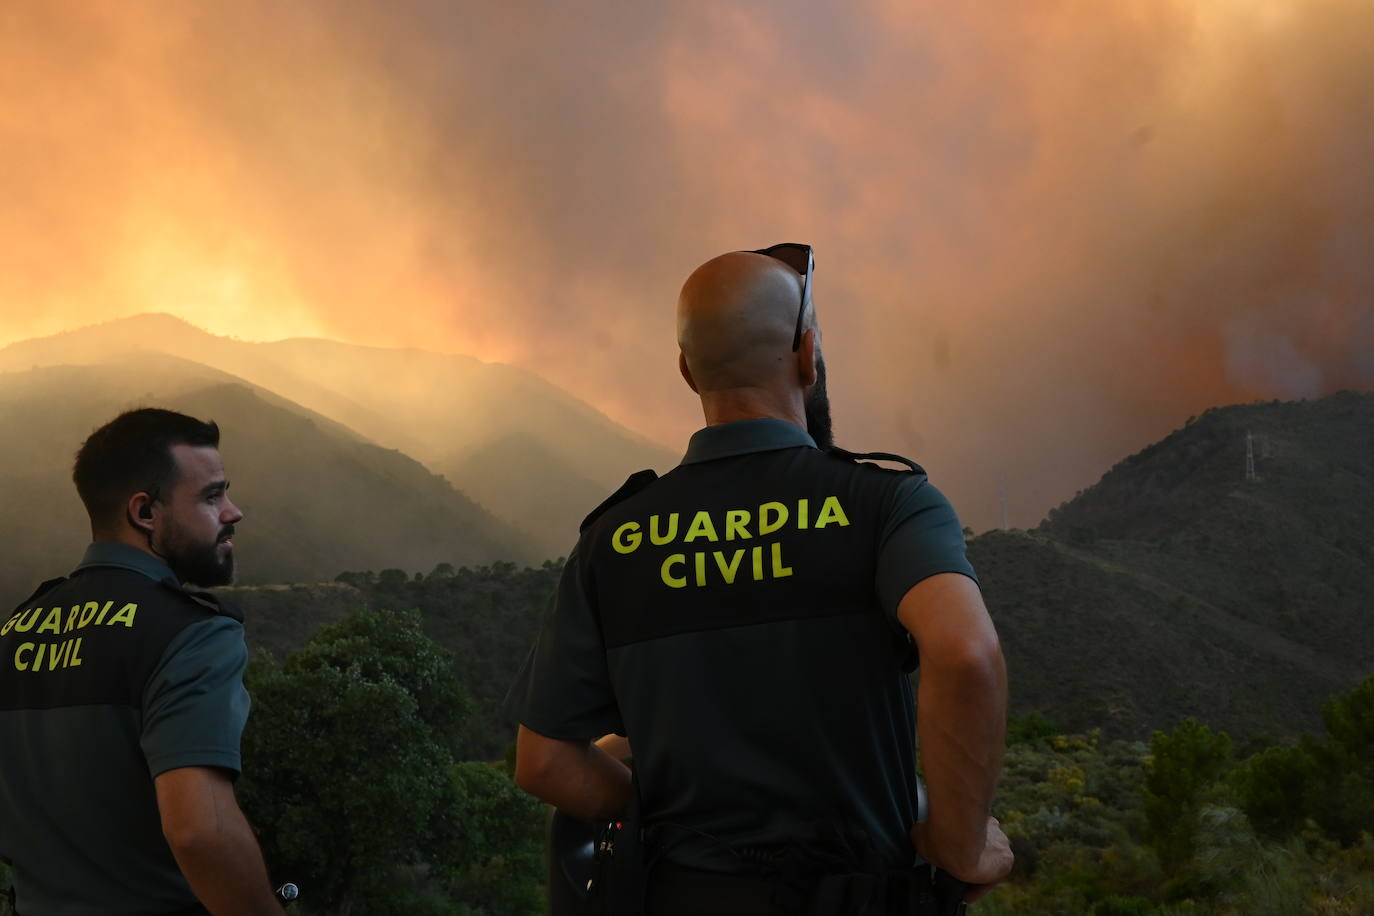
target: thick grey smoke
1046 233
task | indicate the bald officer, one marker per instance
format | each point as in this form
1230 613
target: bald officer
122 699
747 621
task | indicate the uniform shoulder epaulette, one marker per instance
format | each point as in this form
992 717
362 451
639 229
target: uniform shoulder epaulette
876 456
208 600
43 589
632 485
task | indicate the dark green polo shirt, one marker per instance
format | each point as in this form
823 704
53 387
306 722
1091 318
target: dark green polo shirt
108 679
737 620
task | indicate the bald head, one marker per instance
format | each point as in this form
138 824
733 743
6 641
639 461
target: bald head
736 317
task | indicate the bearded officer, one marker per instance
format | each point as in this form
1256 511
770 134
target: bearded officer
122 698
747 621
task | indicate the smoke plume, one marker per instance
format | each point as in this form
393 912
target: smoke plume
1046 233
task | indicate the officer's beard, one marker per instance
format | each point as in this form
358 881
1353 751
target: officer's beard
197 562
818 410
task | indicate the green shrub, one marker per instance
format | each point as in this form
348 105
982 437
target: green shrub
1185 767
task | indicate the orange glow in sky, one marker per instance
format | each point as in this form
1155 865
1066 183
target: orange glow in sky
1046 233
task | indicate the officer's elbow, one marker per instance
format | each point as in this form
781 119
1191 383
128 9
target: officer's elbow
979 656
197 809
190 837
946 616
974 664
528 775
536 762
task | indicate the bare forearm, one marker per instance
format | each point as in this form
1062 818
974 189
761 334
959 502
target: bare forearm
226 870
213 844
576 777
962 725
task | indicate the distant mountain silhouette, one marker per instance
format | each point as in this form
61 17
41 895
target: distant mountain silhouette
446 411
318 498
1175 586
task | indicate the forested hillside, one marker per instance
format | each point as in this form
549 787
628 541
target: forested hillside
1177 587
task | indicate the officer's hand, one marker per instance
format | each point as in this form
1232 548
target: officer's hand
617 746
993 865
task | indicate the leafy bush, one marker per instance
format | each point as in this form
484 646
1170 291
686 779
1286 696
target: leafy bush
1342 800
1274 789
1182 775
350 776
1030 728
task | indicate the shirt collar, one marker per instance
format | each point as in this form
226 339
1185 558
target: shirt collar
122 556
741 437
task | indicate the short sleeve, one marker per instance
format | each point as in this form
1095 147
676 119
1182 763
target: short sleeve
921 538
564 690
195 704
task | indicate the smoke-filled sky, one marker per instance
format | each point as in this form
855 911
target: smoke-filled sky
1046 232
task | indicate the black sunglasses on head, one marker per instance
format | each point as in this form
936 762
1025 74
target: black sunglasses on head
800 258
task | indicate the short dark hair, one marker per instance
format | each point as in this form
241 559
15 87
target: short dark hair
132 454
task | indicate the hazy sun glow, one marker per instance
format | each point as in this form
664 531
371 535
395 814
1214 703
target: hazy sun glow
1267 14
221 291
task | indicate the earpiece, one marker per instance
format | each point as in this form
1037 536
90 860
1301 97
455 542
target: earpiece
146 511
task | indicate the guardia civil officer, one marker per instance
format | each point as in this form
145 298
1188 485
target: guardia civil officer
122 699
747 621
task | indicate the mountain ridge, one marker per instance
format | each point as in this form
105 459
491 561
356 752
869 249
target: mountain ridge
1244 600
435 407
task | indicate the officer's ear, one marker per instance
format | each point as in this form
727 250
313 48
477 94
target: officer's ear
686 372
807 353
141 506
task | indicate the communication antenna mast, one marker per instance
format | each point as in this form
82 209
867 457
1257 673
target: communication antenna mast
1002 496
1250 457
